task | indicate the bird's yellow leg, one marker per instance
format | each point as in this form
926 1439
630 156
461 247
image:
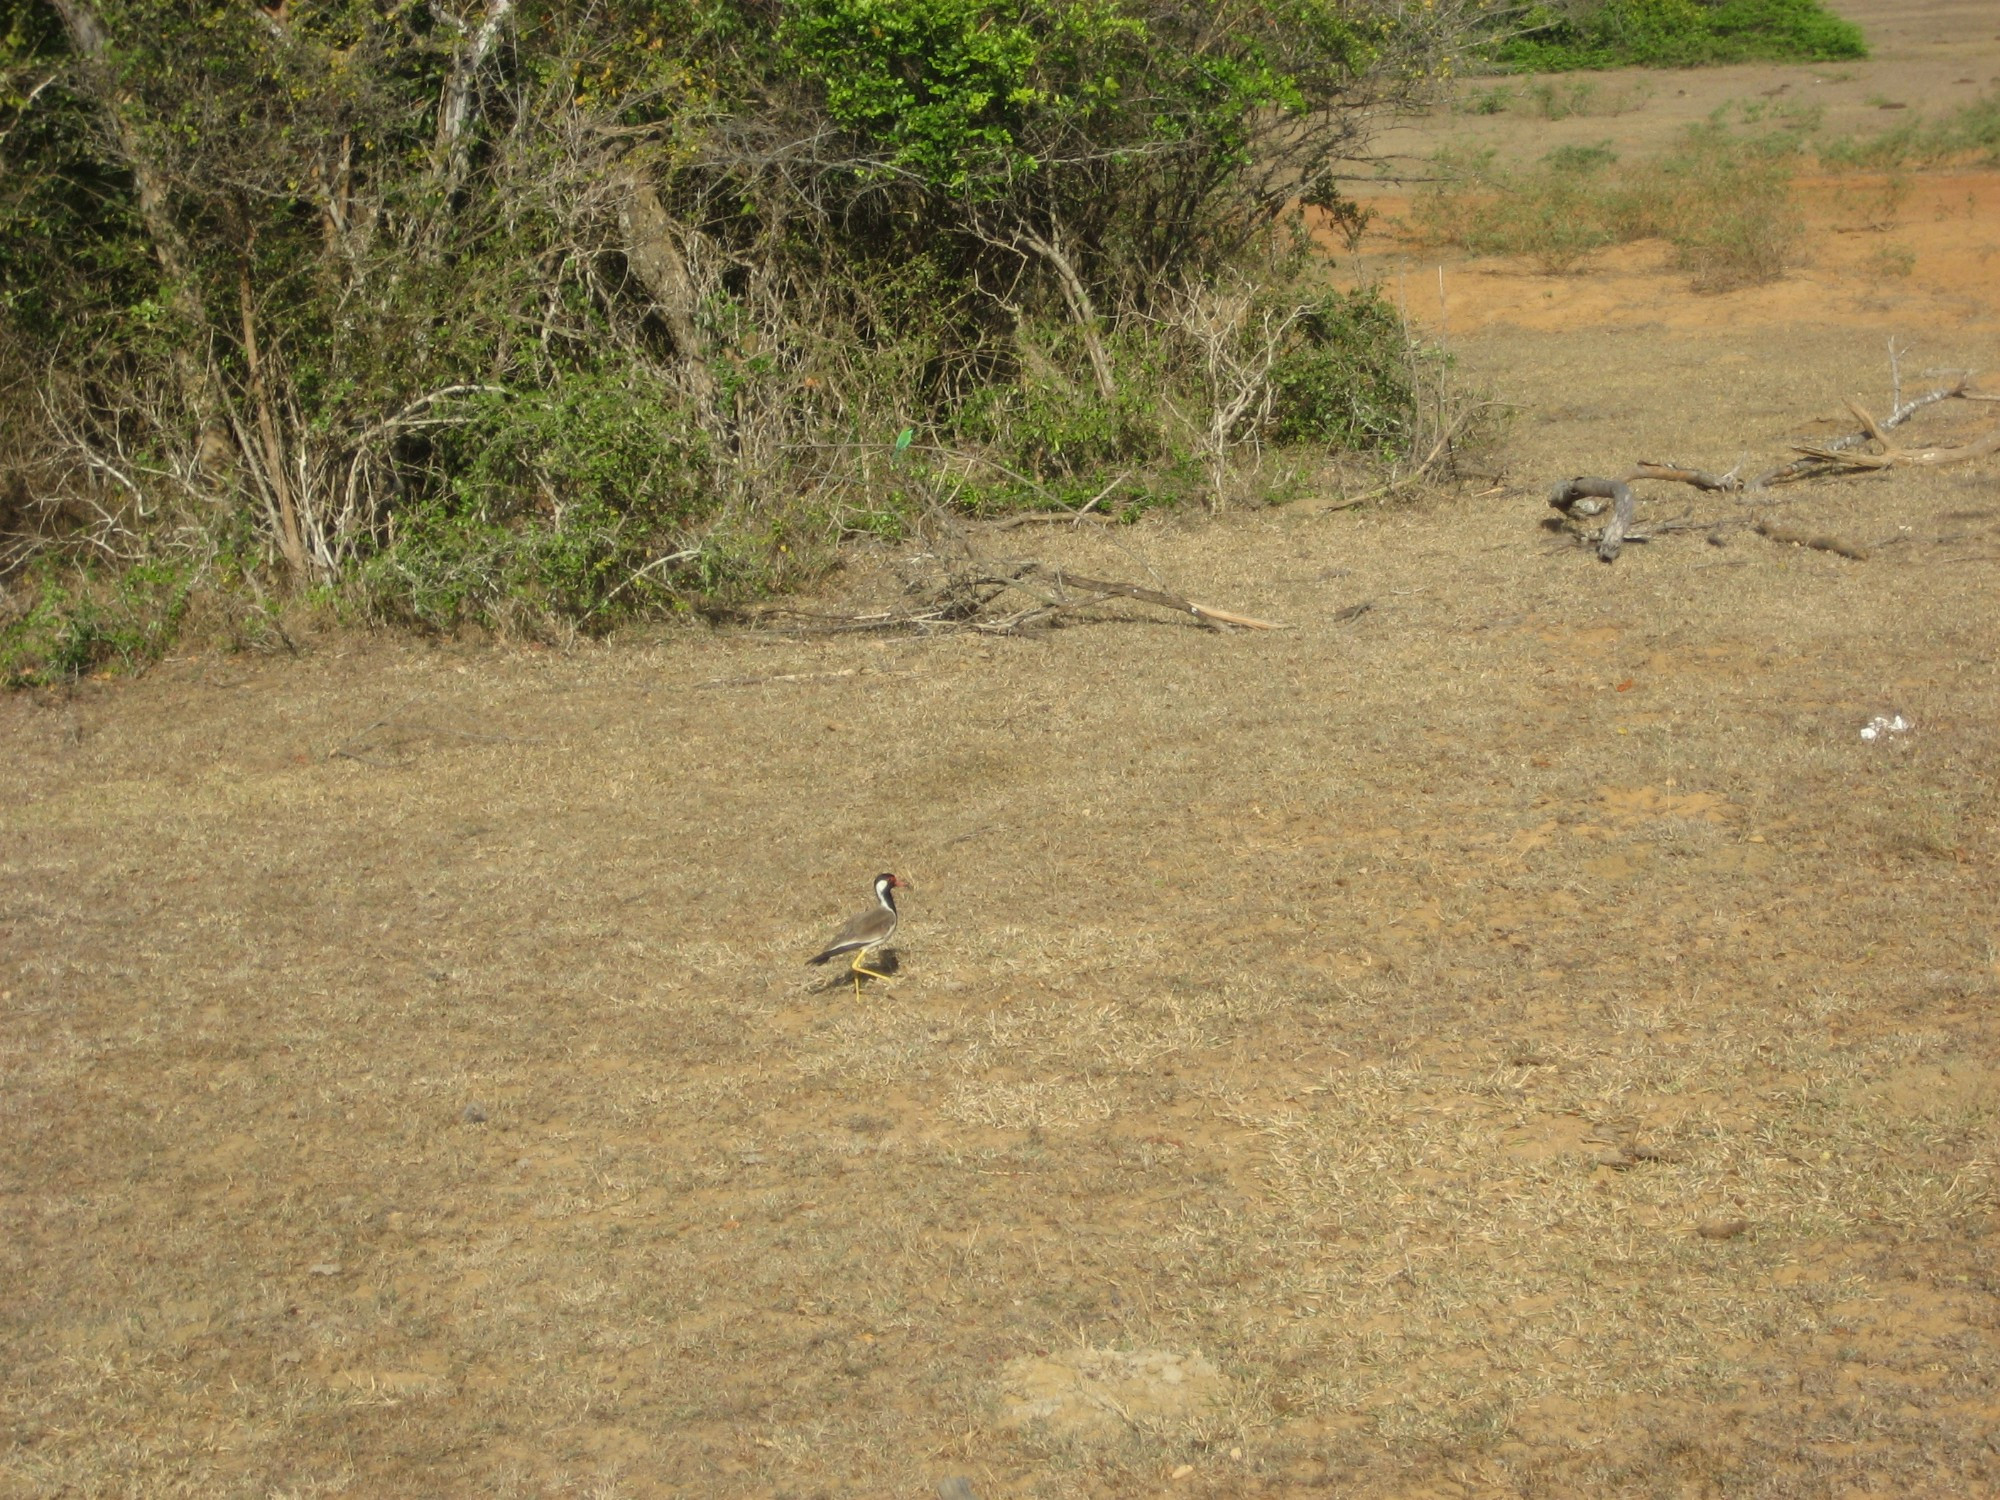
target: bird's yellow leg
857 968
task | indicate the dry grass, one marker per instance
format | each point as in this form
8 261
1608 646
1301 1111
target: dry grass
1722 200
1269 996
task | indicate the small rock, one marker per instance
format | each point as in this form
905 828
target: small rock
324 1268
956 1488
1721 1229
1618 1161
1183 1471
474 1114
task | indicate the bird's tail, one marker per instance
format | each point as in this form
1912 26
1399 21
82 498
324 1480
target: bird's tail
820 958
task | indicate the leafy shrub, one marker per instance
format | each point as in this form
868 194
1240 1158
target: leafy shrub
559 503
557 312
1053 432
1675 34
79 622
1345 380
1725 203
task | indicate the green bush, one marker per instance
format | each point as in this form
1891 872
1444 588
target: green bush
554 313
548 504
1675 34
1345 381
84 620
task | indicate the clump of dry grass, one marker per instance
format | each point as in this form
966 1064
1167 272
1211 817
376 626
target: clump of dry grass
1722 200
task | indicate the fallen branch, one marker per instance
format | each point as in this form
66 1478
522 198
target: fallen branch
962 602
1205 612
1701 479
1893 458
1564 497
1786 536
1819 455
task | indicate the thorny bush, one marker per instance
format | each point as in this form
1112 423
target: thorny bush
603 309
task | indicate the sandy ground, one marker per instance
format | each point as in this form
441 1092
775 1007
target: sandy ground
1888 252
1925 56
1519 1041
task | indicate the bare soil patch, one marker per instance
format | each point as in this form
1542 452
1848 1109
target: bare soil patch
1521 1040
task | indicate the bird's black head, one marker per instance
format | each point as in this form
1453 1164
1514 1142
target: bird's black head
885 883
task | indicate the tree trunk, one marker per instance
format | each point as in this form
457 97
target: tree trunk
1081 308
86 36
653 249
290 540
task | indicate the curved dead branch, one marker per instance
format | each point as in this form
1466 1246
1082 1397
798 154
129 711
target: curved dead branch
1565 497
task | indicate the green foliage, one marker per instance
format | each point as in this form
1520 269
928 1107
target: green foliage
1580 159
1345 381
554 500
1675 34
85 621
563 313
952 87
1050 433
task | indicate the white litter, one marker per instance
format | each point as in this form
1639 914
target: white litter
1883 724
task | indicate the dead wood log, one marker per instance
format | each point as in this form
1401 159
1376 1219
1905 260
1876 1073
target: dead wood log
1564 497
1701 479
1893 458
655 250
963 601
1818 456
1786 536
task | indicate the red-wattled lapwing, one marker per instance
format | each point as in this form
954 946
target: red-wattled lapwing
865 932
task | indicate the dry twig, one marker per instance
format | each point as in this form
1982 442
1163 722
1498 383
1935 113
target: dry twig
1785 535
1701 479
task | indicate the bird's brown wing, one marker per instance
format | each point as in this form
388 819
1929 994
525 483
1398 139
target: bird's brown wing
862 931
